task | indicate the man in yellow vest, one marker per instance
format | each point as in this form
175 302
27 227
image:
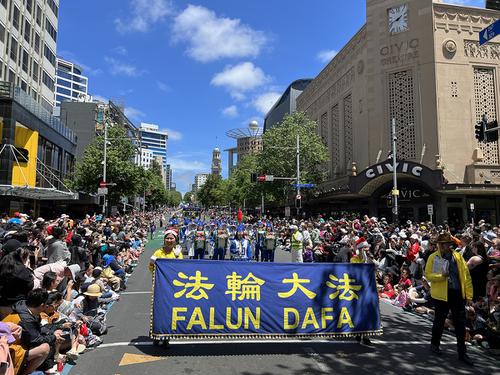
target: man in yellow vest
451 288
297 244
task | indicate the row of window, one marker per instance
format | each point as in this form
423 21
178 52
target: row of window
65 74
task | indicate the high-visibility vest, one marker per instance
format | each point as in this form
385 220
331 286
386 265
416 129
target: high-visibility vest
296 242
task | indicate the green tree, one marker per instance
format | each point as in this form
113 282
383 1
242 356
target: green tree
279 155
188 196
121 169
239 189
212 193
174 198
156 168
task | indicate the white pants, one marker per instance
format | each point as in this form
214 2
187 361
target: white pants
297 256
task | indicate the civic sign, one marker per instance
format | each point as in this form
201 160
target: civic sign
102 191
242 299
430 209
304 186
102 184
269 178
489 32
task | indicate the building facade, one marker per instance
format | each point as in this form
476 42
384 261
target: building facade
418 62
286 104
71 84
199 181
169 183
155 140
28 41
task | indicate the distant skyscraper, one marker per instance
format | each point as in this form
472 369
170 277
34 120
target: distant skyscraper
28 32
71 84
216 162
169 184
199 181
154 140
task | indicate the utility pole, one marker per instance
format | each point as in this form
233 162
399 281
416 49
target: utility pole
104 171
298 178
395 192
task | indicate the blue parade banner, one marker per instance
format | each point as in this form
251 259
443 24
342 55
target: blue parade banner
235 299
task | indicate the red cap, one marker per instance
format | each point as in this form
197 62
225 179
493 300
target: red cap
359 240
17 214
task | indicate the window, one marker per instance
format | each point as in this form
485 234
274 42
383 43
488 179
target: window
15 17
61 90
35 71
38 15
37 43
53 6
24 86
50 29
62 82
27 31
2 33
78 87
13 49
26 61
49 55
12 76
34 94
47 81
29 6
4 3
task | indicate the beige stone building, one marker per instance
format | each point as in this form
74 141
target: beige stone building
419 62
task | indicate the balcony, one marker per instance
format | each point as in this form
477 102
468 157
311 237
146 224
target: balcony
8 90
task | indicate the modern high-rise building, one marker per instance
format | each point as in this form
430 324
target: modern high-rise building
216 162
169 184
71 84
155 140
28 41
199 181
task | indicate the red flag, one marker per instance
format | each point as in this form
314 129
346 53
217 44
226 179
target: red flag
240 216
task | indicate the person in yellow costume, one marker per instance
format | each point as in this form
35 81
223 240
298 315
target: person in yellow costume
170 249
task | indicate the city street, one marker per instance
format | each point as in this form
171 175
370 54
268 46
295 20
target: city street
403 346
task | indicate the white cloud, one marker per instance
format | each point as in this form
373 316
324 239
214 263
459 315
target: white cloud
87 70
120 50
163 86
211 38
134 113
100 98
144 14
326 56
187 163
240 78
117 67
265 101
174 135
231 111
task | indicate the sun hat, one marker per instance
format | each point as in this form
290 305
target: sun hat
74 269
445 238
93 290
5 331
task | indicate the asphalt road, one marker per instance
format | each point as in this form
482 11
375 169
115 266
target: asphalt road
403 348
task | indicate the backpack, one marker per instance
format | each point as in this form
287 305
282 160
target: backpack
308 255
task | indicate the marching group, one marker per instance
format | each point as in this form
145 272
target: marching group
58 279
452 278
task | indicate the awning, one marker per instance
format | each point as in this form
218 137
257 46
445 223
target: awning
37 193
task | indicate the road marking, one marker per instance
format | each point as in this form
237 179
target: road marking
133 359
317 359
138 292
203 342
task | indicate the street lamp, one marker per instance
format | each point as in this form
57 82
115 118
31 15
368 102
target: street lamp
254 128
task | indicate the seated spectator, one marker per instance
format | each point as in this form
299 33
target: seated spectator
387 291
57 267
16 280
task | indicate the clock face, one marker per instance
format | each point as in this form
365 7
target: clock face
398 19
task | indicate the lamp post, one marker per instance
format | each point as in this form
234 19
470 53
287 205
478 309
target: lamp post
105 163
253 126
395 192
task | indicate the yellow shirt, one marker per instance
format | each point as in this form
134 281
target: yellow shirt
176 253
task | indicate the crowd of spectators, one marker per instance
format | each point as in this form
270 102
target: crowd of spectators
58 279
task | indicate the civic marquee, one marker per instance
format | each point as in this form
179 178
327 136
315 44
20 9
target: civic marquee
201 298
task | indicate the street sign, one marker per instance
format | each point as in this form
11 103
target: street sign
269 178
102 191
102 184
430 209
472 206
489 32
304 186
298 197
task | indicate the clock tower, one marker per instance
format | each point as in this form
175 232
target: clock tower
400 67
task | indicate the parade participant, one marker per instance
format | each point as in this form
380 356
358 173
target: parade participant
199 243
221 241
297 244
270 242
170 249
240 247
451 287
189 239
259 241
210 234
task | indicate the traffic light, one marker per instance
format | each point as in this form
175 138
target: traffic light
253 177
479 129
491 136
261 178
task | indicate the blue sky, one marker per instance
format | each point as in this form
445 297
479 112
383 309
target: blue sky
201 68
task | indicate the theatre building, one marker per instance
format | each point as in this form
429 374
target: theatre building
418 62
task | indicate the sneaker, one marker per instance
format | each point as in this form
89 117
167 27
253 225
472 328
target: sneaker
435 349
466 359
72 355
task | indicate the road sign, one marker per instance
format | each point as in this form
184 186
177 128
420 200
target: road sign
489 32
269 178
430 209
304 186
102 184
472 206
298 197
102 191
